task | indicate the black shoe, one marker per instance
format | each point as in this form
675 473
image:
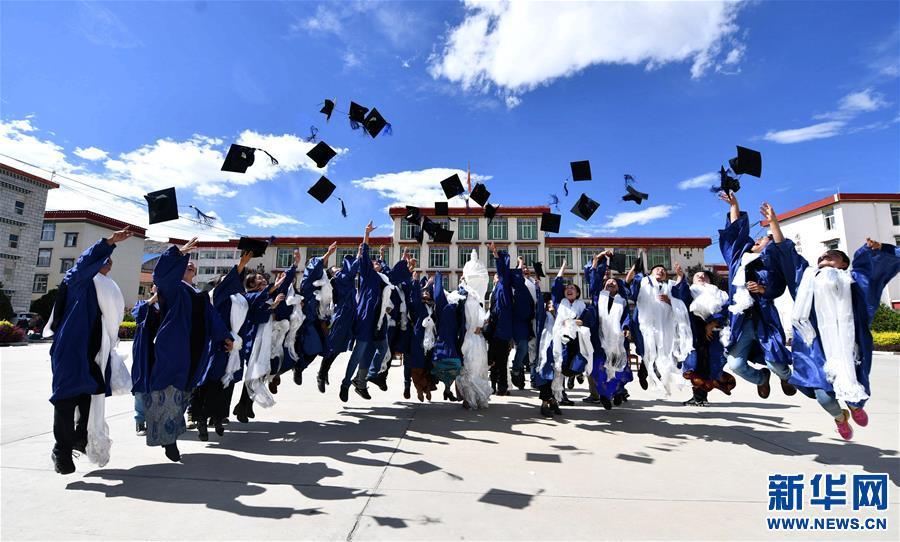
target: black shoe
379 380
546 411
202 430
172 452
570 382
406 394
590 400
607 404
580 379
362 392
218 427
80 444
320 383
298 376
554 406
140 429
625 396
518 380
693 401
62 462
617 399
225 421
240 413
344 394
567 402
501 393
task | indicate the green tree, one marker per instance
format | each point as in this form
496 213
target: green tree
6 309
886 319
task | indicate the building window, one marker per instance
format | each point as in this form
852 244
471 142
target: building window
71 239
587 255
497 229
832 244
20 207
529 254
374 254
48 231
556 256
659 256
13 241
206 270
206 254
442 222
223 270
464 252
40 284
408 230
439 257
44 255
284 258
225 254
631 255
194 256
342 253
828 215
468 229
897 240
318 252
527 229
65 264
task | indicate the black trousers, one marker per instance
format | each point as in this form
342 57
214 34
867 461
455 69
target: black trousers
225 404
209 401
545 391
325 366
498 357
65 430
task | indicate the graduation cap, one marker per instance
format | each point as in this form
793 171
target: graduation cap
327 109
429 226
617 262
490 211
480 194
443 235
581 171
441 208
550 222
256 246
727 183
634 195
374 123
162 205
357 113
452 186
413 215
239 158
322 190
585 207
638 264
538 269
321 154
420 235
747 161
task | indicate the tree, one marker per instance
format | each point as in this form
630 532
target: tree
44 304
886 319
6 309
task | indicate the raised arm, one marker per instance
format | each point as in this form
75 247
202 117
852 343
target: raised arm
331 250
734 210
874 265
89 263
171 266
769 214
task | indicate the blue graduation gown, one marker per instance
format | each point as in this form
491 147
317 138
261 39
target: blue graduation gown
72 353
221 301
523 307
258 312
451 324
606 387
716 351
368 306
735 241
573 361
871 271
418 312
399 339
146 319
340 336
502 306
311 338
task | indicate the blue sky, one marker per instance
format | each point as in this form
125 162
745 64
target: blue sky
132 97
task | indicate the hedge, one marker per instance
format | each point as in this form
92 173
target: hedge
887 340
126 330
10 334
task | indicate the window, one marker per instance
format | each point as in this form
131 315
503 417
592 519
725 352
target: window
895 215
20 207
464 252
442 222
48 231
13 241
631 256
587 255
527 229
416 253
374 252
40 284
284 258
557 255
65 264
206 254
832 244
408 230
828 215
206 270
71 239
468 229
439 257
318 252
497 229
223 270
529 254
897 240
194 256
225 254
44 255
659 256
342 253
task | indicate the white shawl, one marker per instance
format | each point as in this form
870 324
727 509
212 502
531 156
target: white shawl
324 294
742 298
611 337
666 329
429 335
290 340
259 364
708 300
386 306
473 381
565 329
830 289
239 308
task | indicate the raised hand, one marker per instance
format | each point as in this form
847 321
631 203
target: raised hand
493 249
768 212
331 249
728 197
370 227
246 256
118 236
296 257
679 271
189 246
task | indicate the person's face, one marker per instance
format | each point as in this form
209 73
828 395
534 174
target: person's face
496 278
426 296
526 272
660 274
700 278
190 272
831 260
571 292
611 286
335 271
377 265
760 244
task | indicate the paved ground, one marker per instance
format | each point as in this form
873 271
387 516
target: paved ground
310 468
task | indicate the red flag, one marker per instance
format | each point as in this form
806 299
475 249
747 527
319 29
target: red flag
468 177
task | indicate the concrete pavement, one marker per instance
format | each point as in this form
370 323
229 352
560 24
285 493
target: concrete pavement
386 469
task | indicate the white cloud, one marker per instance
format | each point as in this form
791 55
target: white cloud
836 122
518 46
91 153
622 220
821 130
421 188
700 181
268 219
324 20
864 100
350 60
102 27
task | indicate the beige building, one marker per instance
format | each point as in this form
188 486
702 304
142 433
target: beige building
66 234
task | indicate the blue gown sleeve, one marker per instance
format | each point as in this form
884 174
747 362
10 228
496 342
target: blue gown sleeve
89 263
139 312
230 285
558 291
735 240
503 266
791 265
440 300
635 287
170 270
682 291
872 270
290 275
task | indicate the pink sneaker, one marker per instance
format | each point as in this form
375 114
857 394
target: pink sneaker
843 426
859 416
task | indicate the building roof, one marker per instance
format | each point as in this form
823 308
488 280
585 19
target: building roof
40 180
836 198
94 218
476 210
292 241
638 242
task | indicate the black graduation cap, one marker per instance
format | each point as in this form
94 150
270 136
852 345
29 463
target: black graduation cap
538 269
413 215
634 195
581 171
322 190
239 158
327 109
162 205
585 207
480 194
490 211
441 208
256 246
727 183
747 161
321 154
420 235
452 186
443 235
638 264
357 113
617 262
374 123
550 222
429 226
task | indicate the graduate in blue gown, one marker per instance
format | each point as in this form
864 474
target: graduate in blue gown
755 332
316 291
499 331
75 325
524 307
450 331
573 343
285 355
423 323
340 333
832 316
146 320
396 320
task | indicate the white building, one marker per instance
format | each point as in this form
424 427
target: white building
843 221
23 198
66 234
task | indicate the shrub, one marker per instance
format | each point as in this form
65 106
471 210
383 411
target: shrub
887 340
886 319
6 309
127 329
10 333
128 316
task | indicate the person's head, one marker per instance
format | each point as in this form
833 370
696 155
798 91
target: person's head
255 282
572 292
496 278
107 266
526 272
701 277
761 243
834 258
335 269
376 264
611 286
659 273
190 272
